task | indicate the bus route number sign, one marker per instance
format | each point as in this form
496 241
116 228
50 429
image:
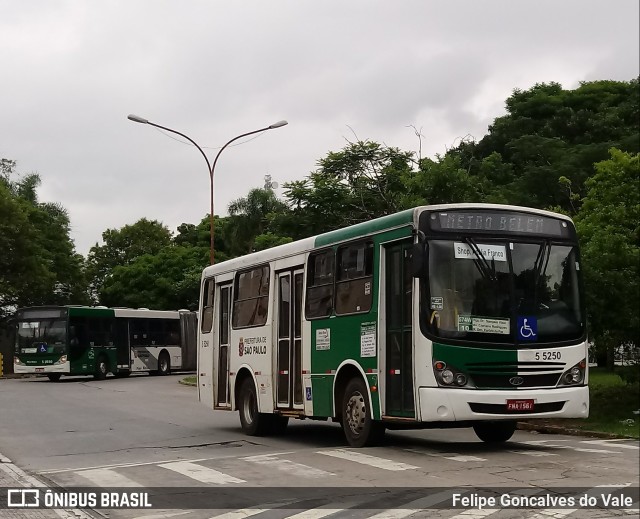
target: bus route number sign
520 405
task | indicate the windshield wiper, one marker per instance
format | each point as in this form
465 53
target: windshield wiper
487 271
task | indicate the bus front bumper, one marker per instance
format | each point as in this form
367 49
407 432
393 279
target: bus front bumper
25 369
451 405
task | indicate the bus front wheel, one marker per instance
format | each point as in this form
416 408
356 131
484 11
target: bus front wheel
102 368
494 432
253 423
358 424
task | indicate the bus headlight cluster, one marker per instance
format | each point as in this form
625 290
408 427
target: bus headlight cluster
449 376
61 360
17 361
574 375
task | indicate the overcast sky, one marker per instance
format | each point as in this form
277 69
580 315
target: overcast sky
71 71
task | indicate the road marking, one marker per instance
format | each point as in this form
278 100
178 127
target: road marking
608 443
418 505
107 478
453 456
164 515
474 513
322 511
200 473
290 467
246 512
366 459
533 453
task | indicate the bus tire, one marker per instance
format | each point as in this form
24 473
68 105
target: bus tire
360 429
495 432
164 364
54 377
102 368
253 423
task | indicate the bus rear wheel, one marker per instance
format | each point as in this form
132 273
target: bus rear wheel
164 364
494 432
54 377
102 368
253 423
358 424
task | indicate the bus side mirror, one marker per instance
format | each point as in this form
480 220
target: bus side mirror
419 260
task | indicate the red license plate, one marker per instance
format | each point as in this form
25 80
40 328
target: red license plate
519 405
39 369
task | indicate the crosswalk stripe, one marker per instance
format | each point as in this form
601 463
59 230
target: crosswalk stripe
290 467
321 511
200 473
474 513
366 459
107 478
247 512
453 456
533 453
418 505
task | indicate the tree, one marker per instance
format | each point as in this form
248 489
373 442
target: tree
609 227
39 264
250 217
166 280
121 247
364 180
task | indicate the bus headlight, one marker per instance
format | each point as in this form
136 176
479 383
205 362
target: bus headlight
17 361
574 375
61 360
448 376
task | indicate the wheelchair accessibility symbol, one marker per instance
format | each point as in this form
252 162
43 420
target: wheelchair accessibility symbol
527 328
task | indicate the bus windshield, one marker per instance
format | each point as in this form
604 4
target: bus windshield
503 291
42 336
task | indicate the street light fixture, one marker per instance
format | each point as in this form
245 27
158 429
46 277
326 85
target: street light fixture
142 120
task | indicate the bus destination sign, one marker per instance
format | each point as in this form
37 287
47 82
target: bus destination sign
499 221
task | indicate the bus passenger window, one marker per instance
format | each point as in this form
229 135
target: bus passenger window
251 298
354 283
319 301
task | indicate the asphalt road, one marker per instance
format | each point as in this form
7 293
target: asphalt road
150 432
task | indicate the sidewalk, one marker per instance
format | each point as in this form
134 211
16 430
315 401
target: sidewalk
13 477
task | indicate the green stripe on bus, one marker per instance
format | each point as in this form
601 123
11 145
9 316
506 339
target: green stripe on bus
365 228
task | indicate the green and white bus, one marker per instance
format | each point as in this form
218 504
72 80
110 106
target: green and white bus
82 340
461 315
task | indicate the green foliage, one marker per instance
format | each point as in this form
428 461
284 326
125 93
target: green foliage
121 247
609 227
166 280
250 217
38 264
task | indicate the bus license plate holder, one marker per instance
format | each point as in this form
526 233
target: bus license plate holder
520 405
39 370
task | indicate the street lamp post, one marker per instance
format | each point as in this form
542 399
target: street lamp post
210 167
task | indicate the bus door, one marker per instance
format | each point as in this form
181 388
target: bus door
399 399
123 349
224 329
289 339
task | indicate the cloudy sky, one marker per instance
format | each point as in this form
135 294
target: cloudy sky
71 71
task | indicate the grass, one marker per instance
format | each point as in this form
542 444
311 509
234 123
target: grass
191 380
613 400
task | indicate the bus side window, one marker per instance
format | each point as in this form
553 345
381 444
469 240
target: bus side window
320 274
207 306
251 298
354 283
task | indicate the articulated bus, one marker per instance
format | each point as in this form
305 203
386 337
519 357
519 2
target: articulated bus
81 340
461 315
